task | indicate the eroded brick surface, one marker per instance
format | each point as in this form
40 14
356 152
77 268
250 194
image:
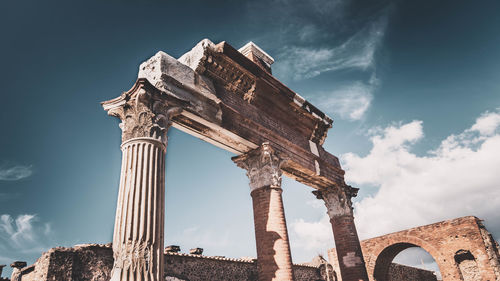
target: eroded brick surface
462 248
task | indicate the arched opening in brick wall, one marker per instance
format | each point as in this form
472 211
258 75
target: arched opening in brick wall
406 254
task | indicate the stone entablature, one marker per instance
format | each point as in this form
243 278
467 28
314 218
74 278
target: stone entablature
235 104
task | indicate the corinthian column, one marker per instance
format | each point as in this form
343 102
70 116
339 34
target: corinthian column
138 232
274 260
339 208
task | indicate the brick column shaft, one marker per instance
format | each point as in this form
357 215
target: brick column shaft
274 259
351 262
339 208
273 247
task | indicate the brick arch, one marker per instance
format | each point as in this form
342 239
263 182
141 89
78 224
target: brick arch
442 241
378 267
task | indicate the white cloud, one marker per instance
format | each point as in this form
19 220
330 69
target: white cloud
350 101
358 52
310 238
486 124
14 173
459 178
25 234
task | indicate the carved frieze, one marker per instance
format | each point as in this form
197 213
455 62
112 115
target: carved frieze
263 166
235 79
143 115
337 200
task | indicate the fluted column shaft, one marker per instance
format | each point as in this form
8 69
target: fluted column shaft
138 236
274 259
339 208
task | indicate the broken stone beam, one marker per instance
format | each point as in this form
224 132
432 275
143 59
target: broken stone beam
196 251
172 249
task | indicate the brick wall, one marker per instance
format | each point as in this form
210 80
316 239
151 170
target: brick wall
397 272
462 248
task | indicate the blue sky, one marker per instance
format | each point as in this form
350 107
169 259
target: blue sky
412 86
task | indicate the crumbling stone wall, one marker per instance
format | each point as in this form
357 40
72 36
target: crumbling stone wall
94 262
85 262
462 248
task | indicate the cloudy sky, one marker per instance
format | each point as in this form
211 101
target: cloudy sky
413 87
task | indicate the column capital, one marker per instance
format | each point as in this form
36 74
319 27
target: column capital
144 112
263 166
337 199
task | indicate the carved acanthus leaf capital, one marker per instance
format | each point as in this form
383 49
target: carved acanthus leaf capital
338 200
143 114
263 166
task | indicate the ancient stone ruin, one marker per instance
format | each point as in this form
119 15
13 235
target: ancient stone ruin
463 249
229 98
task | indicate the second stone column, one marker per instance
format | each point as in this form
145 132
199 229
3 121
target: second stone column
274 258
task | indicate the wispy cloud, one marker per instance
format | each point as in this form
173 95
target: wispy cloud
349 101
15 172
339 43
357 53
23 235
